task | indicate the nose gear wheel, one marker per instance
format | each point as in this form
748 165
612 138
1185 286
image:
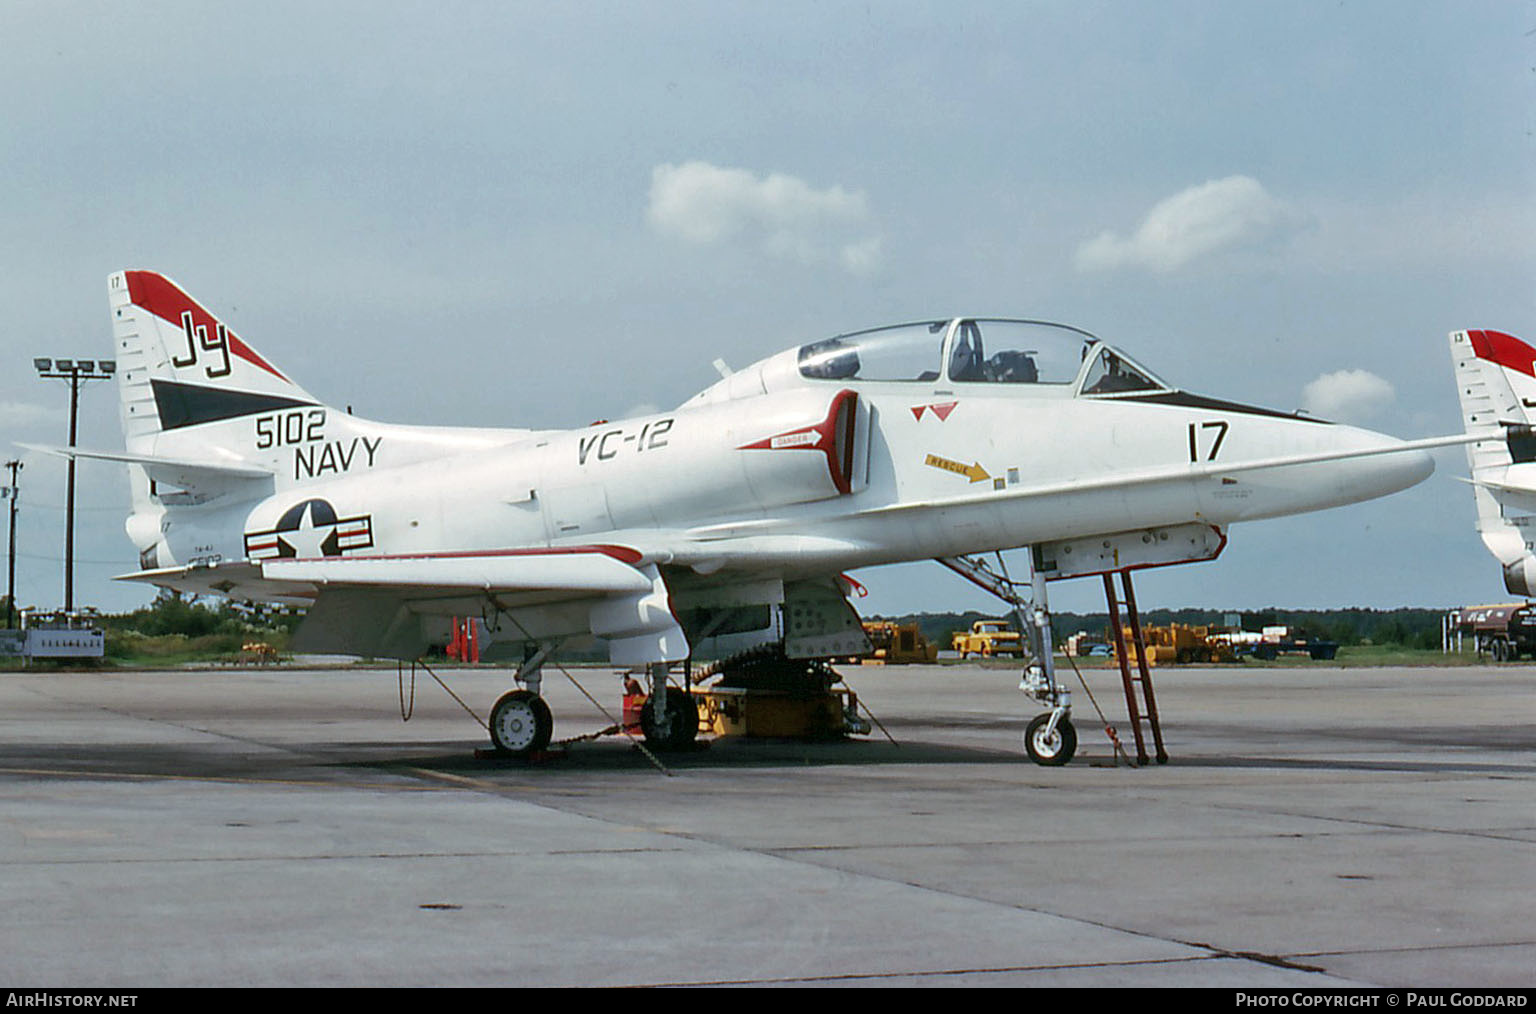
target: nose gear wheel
1053 748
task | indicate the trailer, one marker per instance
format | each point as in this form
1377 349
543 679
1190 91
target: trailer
1505 631
1277 641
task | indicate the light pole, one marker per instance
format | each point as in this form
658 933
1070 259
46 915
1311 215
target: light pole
10 492
77 372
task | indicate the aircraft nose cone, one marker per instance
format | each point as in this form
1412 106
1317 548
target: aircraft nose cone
1355 465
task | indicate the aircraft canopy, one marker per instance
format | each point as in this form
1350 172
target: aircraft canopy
972 350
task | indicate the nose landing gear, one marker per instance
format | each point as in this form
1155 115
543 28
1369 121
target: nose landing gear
1050 739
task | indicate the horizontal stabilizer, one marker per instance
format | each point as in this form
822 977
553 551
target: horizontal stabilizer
204 479
1515 497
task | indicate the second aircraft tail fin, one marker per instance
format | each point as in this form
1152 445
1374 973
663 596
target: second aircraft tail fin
1496 384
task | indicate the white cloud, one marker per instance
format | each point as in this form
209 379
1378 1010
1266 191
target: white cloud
707 204
1347 395
1213 216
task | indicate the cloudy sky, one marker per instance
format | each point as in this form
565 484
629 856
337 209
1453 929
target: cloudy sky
542 214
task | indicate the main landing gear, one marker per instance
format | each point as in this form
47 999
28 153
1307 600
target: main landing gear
672 726
521 724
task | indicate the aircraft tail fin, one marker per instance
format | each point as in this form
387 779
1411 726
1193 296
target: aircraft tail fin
181 371
1496 384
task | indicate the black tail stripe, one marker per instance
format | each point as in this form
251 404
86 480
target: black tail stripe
182 405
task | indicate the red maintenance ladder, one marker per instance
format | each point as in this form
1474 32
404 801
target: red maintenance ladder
1147 712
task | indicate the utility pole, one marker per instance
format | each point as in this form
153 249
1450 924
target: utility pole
77 372
10 494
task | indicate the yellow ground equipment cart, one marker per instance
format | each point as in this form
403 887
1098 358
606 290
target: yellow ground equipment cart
763 694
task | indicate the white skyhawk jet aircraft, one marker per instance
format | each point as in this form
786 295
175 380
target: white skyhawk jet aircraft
738 510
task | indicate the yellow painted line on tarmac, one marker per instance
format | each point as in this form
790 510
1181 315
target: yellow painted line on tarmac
463 781
216 779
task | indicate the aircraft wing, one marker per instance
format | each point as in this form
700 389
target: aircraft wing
383 606
572 571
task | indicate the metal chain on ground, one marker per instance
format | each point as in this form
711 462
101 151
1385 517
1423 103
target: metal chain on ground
1109 730
406 713
619 725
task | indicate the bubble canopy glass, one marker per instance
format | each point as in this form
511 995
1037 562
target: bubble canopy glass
978 350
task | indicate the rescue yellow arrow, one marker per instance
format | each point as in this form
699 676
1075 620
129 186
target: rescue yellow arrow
973 472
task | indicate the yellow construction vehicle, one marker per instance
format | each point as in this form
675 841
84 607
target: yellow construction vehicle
1179 644
897 644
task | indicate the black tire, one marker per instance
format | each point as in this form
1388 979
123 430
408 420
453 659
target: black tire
521 724
681 725
1054 751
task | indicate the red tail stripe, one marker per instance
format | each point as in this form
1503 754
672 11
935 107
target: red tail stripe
161 297
1505 349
